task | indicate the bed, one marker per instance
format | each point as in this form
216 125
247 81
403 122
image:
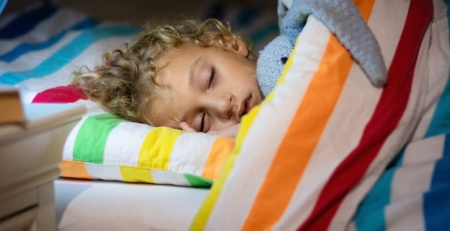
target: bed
369 158
41 46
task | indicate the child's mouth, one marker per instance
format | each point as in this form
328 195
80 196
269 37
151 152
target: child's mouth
247 105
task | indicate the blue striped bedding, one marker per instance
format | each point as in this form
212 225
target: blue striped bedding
414 190
41 46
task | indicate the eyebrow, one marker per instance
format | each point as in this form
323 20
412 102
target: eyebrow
191 71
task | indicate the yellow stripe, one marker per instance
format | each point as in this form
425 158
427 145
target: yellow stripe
201 219
136 174
202 216
154 154
157 148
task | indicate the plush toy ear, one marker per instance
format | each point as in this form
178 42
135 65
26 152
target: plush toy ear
271 63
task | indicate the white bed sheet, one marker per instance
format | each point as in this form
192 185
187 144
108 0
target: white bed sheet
102 205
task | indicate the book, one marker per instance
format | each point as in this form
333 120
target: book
11 109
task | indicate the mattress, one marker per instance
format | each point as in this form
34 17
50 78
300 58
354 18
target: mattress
105 205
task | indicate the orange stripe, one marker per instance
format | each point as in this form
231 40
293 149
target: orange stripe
220 151
74 169
303 135
365 8
207 207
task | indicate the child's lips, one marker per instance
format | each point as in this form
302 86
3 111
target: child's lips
245 106
249 104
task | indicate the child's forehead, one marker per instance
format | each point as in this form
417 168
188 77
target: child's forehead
172 60
171 56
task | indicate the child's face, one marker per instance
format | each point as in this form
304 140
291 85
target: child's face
211 89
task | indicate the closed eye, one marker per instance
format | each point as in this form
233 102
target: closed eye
202 123
211 78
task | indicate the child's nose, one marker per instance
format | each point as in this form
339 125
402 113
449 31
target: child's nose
224 105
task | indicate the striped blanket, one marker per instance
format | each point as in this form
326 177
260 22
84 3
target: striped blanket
327 151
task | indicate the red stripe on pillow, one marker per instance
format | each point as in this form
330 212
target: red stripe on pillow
61 94
385 119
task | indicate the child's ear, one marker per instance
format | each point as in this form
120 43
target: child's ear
241 48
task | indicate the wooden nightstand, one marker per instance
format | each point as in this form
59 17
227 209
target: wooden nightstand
29 157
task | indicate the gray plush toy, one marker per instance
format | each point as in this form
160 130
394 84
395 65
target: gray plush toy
343 19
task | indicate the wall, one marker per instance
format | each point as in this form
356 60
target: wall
140 11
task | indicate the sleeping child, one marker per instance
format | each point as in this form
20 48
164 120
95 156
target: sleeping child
192 76
202 76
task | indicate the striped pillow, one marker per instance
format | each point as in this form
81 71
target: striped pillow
103 146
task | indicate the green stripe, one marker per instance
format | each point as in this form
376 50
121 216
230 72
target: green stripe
198 181
92 136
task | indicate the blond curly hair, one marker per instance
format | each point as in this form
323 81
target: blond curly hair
125 81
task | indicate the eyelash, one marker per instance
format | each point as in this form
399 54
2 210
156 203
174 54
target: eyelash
211 78
213 74
202 124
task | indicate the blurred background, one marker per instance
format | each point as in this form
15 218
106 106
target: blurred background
252 19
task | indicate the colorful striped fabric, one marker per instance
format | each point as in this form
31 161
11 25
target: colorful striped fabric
424 164
105 147
328 135
41 46
39 50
